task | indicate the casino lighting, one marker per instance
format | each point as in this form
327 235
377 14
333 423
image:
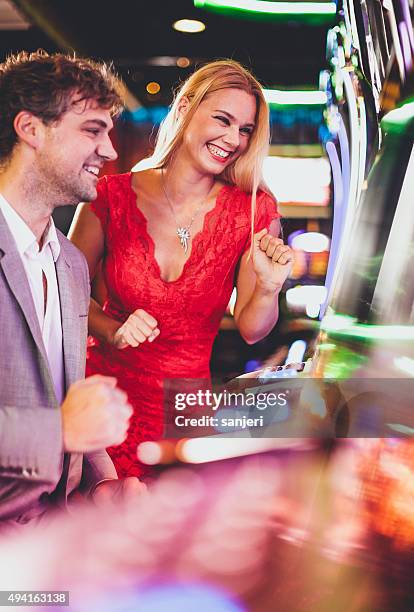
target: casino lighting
398 117
281 97
205 450
405 364
311 242
304 295
298 180
149 453
296 352
342 325
153 88
189 26
271 8
312 310
183 62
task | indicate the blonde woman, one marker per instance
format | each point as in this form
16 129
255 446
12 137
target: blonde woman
174 237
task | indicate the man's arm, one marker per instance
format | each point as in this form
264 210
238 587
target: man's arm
21 437
30 457
97 467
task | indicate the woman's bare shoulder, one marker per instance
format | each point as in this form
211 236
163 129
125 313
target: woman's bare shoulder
145 183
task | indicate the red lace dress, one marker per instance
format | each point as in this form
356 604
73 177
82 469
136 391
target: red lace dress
188 310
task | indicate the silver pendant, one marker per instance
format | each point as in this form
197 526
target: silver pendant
184 236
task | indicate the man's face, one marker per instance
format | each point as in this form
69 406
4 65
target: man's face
73 151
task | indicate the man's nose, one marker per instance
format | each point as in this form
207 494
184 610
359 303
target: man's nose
106 149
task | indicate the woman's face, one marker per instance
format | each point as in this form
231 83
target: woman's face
219 130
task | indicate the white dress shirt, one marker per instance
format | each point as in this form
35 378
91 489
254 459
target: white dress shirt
36 263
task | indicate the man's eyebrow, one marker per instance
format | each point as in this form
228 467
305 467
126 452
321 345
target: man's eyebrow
98 122
230 116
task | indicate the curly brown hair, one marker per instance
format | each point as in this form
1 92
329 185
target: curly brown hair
45 85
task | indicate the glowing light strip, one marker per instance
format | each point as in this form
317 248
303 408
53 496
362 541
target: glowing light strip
354 28
405 364
396 40
215 448
272 8
391 273
350 187
362 147
292 98
398 116
338 189
344 326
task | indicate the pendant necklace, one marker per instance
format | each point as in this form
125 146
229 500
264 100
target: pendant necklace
183 231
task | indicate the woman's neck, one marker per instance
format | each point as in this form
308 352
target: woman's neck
185 183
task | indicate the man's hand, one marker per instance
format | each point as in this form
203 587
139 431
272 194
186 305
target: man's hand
95 414
139 327
126 489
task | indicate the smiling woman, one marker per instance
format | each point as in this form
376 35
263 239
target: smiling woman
174 237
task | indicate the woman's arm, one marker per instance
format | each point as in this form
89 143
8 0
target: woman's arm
259 281
87 234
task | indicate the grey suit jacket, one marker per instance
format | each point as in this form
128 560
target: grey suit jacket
34 473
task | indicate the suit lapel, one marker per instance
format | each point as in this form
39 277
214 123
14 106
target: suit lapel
69 308
15 274
69 297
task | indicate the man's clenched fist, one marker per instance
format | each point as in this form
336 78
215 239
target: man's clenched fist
95 414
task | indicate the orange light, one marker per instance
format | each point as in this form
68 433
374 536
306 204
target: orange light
183 62
153 87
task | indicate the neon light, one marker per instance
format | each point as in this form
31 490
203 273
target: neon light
282 97
296 352
271 8
189 26
281 175
303 295
311 242
215 448
404 429
149 453
391 276
343 325
398 118
405 364
335 322
362 146
312 310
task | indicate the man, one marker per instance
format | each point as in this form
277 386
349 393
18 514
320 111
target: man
55 118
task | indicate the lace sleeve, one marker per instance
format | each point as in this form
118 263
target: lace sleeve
266 212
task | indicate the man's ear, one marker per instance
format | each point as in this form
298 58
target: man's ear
29 128
183 107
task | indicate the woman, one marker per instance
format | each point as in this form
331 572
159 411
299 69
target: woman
174 237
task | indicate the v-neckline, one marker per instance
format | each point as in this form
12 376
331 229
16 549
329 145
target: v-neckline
194 239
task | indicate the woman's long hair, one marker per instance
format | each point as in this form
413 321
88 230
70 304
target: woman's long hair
246 171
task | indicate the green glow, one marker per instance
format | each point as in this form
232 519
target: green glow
278 8
334 322
326 346
266 9
281 97
343 363
343 325
397 119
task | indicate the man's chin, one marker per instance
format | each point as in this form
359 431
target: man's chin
75 199
87 195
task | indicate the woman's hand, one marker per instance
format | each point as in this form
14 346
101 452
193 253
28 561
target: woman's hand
139 327
272 260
